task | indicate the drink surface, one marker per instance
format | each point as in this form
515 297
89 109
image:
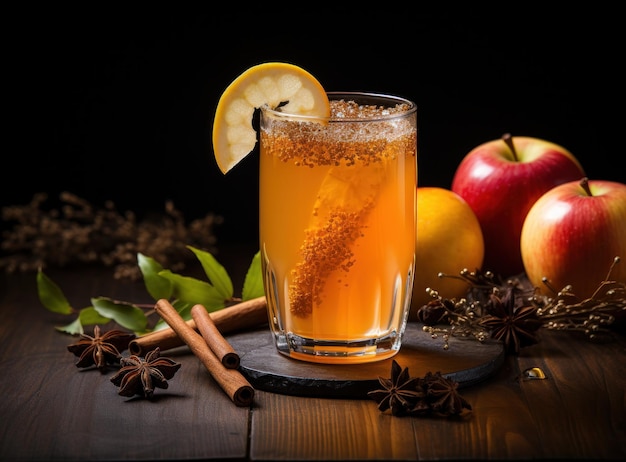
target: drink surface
337 228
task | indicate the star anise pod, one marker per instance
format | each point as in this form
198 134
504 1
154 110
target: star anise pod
515 326
441 396
140 376
434 394
435 312
100 350
399 393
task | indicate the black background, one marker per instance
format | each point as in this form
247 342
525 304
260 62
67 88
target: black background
117 104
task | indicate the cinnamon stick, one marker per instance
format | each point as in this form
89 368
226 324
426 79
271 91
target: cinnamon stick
243 315
231 381
212 336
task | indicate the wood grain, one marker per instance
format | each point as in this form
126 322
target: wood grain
580 391
339 430
52 410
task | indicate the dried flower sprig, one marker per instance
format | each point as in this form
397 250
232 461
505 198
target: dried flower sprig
591 316
78 232
513 312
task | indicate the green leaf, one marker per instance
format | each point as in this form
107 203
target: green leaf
51 296
192 290
253 283
86 316
74 328
125 314
157 286
90 316
183 309
216 273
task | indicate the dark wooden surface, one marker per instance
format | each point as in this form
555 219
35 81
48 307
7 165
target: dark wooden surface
51 410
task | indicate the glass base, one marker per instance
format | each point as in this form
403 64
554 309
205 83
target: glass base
338 352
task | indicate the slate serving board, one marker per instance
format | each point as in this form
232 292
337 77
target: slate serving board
466 361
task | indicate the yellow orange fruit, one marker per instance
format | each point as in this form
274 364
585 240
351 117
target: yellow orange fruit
449 239
271 84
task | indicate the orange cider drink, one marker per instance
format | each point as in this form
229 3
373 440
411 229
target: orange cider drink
337 227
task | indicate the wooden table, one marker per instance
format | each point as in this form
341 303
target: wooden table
51 410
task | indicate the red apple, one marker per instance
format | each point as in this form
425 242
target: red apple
500 180
573 233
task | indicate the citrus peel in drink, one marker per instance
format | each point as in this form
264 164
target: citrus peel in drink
273 84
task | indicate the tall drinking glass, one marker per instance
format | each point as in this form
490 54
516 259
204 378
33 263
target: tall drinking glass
337 227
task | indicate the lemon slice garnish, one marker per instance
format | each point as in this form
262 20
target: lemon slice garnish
273 84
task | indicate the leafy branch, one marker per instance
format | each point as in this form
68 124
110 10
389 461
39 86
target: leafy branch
183 292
